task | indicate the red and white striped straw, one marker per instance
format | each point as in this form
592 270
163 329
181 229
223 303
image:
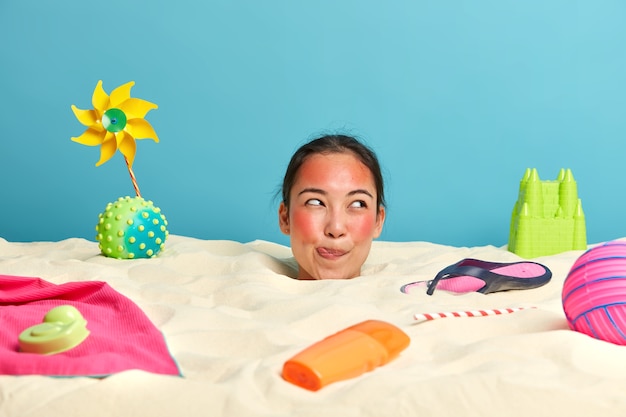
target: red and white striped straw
467 313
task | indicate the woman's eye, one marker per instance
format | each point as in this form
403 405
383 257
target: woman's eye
314 202
358 204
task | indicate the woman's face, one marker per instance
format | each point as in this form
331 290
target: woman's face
332 216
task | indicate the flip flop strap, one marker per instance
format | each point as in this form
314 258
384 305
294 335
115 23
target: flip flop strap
457 271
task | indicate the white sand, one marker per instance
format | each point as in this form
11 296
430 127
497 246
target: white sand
231 317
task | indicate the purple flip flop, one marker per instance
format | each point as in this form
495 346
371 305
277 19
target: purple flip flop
473 275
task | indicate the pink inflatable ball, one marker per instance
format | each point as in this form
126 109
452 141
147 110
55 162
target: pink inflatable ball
594 293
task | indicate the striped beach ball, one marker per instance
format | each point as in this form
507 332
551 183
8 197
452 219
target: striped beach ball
594 293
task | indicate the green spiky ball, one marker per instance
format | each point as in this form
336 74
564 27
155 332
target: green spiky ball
130 228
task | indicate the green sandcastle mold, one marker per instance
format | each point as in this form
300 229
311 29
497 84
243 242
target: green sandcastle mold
548 216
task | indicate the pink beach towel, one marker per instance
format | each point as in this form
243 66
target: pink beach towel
121 335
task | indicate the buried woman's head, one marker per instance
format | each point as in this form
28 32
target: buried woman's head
332 206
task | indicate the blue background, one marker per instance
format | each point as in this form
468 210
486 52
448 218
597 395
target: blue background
458 98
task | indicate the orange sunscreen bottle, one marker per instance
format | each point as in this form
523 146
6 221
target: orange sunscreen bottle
346 354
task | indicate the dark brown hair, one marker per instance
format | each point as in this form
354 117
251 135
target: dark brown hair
334 144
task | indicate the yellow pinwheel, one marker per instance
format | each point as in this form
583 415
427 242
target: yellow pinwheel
115 122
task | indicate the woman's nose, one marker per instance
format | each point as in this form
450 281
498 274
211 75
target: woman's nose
335 225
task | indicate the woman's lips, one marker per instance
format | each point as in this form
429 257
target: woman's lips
329 253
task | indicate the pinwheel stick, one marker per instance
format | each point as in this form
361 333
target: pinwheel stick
132 177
